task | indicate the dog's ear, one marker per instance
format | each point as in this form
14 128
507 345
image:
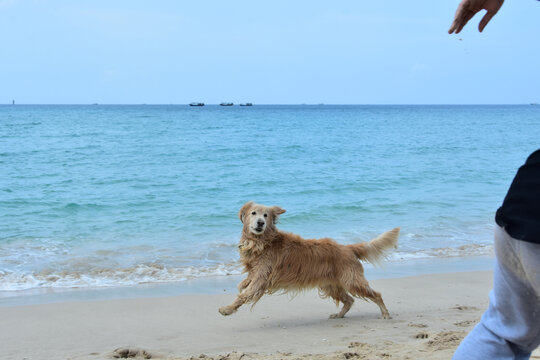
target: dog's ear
276 210
243 210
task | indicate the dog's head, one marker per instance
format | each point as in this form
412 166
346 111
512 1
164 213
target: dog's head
258 219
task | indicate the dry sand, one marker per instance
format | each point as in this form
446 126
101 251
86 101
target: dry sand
431 314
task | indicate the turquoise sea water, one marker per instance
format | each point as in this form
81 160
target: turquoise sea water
94 196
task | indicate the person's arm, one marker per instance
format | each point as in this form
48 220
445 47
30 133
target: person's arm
468 8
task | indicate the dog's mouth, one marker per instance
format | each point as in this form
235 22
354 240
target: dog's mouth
258 229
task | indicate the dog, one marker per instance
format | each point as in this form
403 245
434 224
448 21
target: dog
279 261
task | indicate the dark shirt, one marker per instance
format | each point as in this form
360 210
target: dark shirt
519 214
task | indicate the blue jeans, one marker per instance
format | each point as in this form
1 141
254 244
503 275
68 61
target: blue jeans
510 327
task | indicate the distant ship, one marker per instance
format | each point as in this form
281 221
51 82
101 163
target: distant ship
226 104
196 104
246 104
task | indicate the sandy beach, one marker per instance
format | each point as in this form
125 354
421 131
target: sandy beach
431 314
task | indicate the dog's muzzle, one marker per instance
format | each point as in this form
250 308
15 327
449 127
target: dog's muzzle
260 225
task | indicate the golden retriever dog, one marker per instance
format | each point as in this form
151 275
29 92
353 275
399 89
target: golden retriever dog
279 261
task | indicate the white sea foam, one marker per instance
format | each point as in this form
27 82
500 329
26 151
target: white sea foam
88 275
99 277
461 251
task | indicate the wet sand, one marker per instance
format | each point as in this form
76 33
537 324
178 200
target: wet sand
431 314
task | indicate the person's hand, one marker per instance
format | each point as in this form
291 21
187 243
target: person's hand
468 8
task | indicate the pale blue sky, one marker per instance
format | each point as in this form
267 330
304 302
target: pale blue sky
273 52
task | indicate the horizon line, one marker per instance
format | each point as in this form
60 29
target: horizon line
269 104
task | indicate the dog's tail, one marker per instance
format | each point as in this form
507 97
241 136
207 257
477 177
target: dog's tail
377 249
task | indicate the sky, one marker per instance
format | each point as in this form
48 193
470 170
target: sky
265 52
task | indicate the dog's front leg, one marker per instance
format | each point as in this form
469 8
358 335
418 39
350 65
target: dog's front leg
244 284
251 294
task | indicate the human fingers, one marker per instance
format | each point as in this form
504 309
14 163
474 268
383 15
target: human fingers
455 25
460 23
485 20
468 16
458 18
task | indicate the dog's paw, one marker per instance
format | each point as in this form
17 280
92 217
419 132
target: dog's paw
386 316
225 310
336 316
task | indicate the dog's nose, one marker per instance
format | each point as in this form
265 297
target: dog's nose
260 223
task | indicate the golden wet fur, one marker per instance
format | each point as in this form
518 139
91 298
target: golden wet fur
279 261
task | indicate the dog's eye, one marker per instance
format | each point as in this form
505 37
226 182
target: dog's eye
253 213
265 215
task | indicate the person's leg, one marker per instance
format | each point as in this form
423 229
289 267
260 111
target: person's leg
510 328
529 254
514 312
483 342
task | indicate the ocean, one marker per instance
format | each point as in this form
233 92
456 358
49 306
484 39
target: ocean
96 196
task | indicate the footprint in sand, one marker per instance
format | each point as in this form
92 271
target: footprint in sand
130 353
418 325
465 323
446 340
465 308
421 335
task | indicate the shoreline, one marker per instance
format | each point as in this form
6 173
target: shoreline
431 314
228 283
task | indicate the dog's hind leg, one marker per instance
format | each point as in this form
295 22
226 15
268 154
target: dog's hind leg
365 292
347 301
339 295
377 299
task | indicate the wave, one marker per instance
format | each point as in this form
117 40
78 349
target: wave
92 276
109 277
446 252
